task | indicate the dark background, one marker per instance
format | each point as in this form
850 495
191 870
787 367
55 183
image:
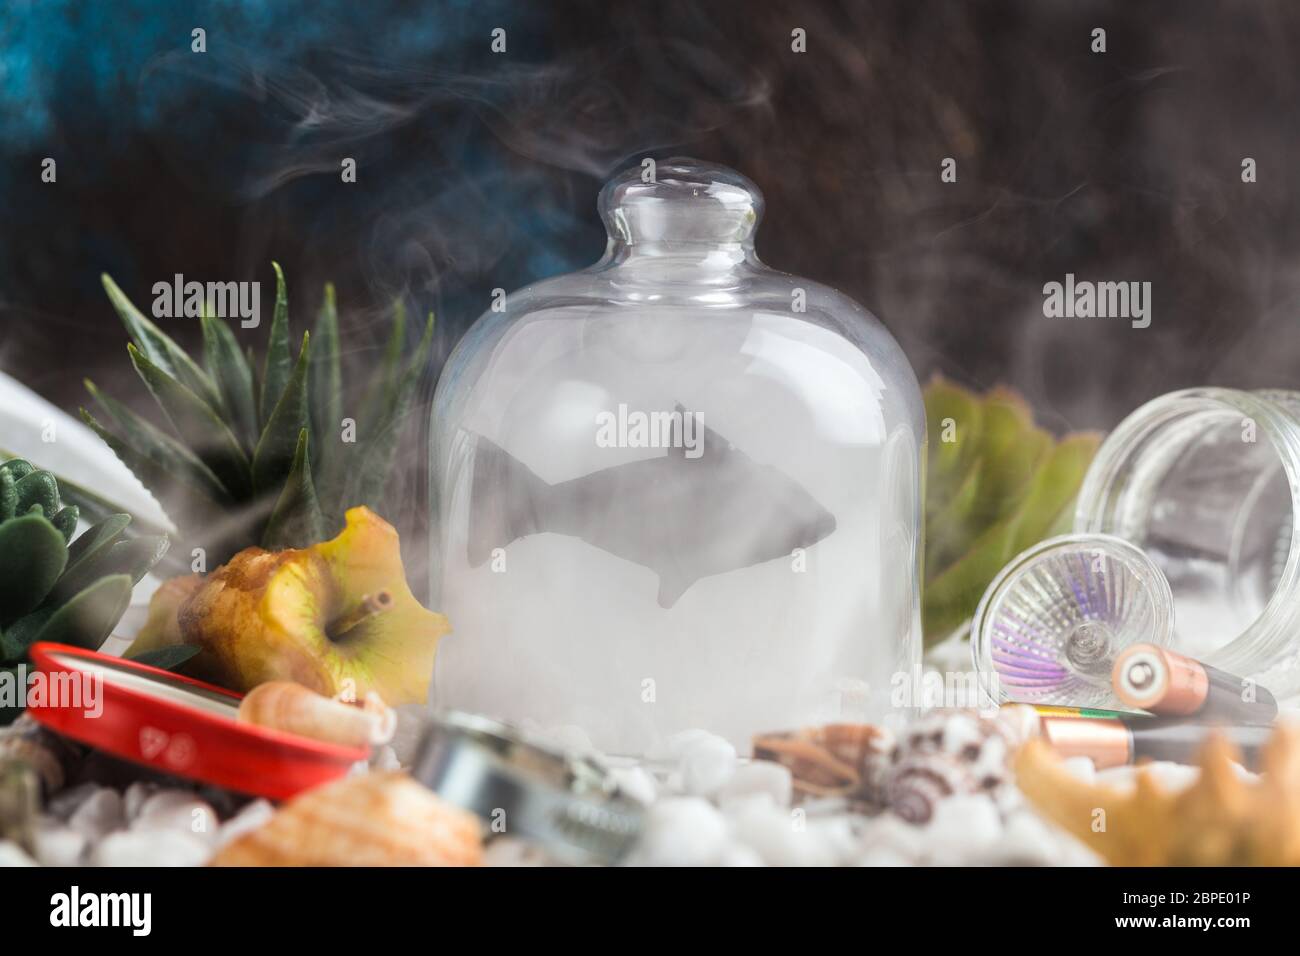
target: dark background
479 170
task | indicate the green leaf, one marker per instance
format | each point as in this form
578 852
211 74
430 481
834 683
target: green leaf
184 503
95 507
229 369
96 540
21 635
8 496
157 446
88 618
276 448
166 658
130 557
275 370
37 488
158 346
952 595
384 382
382 446
32 556
65 520
296 521
326 382
202 428
17 468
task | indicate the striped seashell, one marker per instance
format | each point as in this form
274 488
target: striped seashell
947 753
374 819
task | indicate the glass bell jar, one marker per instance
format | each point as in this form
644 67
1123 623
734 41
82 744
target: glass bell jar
676 489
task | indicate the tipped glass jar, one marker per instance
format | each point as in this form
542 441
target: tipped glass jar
1206 481
677 489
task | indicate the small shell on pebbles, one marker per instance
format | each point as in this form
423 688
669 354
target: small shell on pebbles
945 754
837 760
284 705
378 819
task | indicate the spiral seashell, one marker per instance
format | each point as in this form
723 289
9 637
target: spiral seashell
915 790
283 705
947 753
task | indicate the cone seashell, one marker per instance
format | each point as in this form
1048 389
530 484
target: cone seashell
374 819
284 705
837 760
1220 820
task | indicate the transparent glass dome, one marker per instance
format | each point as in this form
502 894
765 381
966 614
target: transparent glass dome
677 489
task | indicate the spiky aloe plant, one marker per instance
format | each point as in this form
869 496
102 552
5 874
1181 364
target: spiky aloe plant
996 484
54 588
259 458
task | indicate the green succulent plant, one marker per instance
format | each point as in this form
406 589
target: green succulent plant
258 457
54 588
996 484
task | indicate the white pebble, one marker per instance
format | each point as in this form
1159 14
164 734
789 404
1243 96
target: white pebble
635 782
884 856
247 820
842 835
58 845
99 815
11 854
759 776
740 855
135 796
706 765
683 831
963 827
780 836
508 851
66 802
150 848
181 811
891 832
1081 768
1028 841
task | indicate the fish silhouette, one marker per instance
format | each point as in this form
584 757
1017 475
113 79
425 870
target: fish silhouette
683 518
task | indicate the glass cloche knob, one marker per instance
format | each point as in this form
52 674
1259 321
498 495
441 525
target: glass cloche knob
681 201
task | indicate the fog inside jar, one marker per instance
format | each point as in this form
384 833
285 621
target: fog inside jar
1218 524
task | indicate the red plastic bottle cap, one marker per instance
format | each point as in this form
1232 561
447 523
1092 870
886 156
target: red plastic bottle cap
176 724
